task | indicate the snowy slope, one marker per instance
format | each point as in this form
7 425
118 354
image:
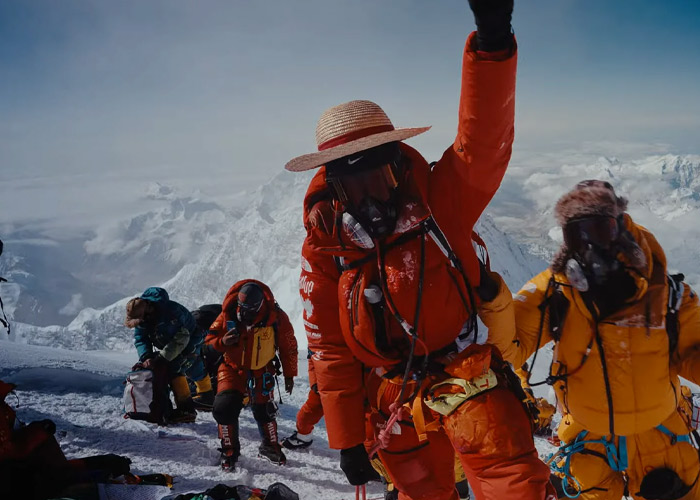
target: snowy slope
263 242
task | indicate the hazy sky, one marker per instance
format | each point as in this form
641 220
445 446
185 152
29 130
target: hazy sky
225 92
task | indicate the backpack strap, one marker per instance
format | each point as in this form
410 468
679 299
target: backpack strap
675 298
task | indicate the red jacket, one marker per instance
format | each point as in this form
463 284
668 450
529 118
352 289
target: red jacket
245 353
338 321
17 443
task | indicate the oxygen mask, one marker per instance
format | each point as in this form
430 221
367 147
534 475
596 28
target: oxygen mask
366 185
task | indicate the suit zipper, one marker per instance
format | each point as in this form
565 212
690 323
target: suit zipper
257 353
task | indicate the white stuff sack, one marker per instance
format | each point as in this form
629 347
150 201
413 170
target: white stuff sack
138 394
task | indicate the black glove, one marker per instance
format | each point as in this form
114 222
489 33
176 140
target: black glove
488 285
493 30
148 355
288 384
154 363
356 465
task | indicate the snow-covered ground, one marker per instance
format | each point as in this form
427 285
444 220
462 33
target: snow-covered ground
82 393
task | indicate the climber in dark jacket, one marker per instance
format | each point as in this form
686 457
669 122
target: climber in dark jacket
168 341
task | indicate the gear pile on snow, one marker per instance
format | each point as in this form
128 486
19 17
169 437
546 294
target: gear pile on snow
276 491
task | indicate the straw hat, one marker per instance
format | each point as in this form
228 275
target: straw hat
350 128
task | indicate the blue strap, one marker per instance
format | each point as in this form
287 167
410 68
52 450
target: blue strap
675 438
616 457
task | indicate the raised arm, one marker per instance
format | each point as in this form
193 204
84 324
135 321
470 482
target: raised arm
473 167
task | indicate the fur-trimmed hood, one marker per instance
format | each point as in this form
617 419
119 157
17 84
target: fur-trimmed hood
589 198
594 197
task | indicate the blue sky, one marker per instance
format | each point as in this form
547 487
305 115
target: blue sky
225 92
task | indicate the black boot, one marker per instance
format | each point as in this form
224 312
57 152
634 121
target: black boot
230 446
273 453
183 414
228 460
297 442
270 448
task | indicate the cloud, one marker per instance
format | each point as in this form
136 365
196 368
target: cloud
74 306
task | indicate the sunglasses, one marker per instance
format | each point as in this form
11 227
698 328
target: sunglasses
351 188
249 307
600 230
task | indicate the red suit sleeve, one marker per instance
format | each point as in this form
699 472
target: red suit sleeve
216 331
338 373
472 168
287 345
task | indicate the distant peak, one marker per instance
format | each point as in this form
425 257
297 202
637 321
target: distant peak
158 191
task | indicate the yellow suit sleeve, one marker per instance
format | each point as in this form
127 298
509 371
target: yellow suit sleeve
688 350
514 322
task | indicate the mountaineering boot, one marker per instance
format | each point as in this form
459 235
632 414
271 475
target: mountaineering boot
230 446
273 453
270 448
184 413
204 401
182 416
297 441
228 460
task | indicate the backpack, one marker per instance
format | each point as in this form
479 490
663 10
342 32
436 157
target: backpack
205 315
146 397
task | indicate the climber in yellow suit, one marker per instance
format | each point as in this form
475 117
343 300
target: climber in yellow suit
624 331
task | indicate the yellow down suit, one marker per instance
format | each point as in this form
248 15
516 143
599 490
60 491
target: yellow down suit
614 376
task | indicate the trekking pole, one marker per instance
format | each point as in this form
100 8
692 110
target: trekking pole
362 489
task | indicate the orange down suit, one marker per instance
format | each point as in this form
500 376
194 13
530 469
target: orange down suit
242 365
491 432
311 412
641 372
